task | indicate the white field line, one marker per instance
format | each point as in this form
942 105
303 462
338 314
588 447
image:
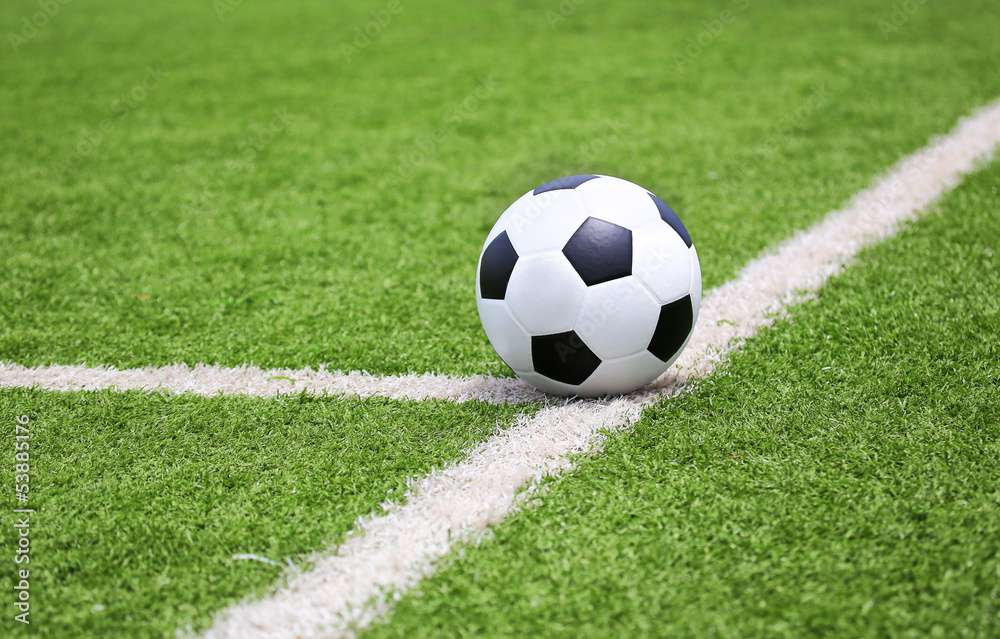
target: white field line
210 380
392 551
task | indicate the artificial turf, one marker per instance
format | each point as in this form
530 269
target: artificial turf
268 200
839 478
154 208
141 501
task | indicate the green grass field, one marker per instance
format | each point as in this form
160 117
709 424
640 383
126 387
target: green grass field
227 183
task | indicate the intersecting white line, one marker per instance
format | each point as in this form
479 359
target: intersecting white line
392 551
210 380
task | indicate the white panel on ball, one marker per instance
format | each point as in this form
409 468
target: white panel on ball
661 261
618 318
545 222
695 283
622 375
545 293
618 201
511 342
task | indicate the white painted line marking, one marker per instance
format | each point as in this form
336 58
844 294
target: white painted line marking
206 380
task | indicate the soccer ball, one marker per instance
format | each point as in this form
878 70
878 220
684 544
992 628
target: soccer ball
588 285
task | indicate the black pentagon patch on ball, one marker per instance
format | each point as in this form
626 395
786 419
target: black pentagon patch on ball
600 251
570 182
667 215
495 268
563 357
672 328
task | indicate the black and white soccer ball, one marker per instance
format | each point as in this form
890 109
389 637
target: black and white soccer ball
588 285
